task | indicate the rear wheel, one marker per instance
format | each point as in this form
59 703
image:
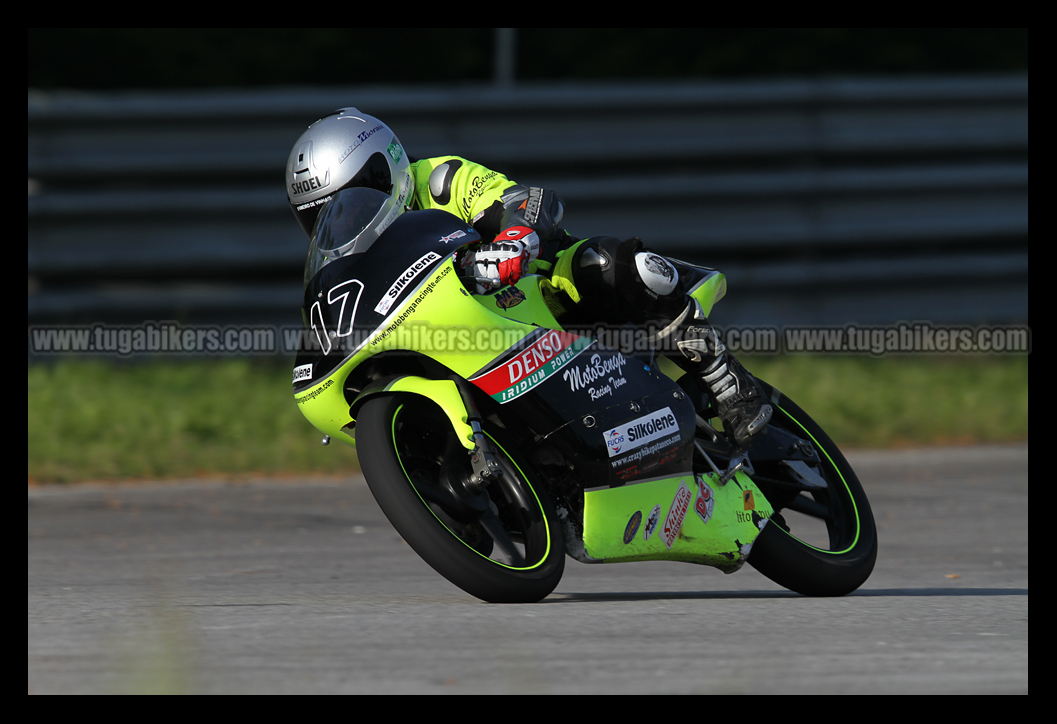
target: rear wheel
500 544
839 557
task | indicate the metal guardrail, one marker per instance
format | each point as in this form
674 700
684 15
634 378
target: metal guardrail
824 201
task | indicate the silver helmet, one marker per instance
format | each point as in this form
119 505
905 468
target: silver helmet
346 149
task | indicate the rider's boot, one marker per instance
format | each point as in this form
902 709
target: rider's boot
734 392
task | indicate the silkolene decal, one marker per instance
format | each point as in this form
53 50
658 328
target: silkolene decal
640 431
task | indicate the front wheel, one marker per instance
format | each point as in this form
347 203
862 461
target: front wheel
501 544
843 557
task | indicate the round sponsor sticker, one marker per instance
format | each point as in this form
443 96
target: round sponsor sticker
632 527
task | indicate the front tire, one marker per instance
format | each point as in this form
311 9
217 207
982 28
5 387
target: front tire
848 560
504 547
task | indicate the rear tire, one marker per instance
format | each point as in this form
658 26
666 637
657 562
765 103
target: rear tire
507 549
849 559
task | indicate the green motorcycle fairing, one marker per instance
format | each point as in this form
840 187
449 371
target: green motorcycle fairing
623 424
689 518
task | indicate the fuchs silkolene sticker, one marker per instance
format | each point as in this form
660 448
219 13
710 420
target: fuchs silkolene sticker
548 354
641 430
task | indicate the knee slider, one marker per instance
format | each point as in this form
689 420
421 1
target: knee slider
648 283
624 282
657 273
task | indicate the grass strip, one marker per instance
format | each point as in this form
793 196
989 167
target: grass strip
97 420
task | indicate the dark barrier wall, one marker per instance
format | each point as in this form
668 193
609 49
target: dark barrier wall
825 201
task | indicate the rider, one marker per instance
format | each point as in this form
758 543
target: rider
601 279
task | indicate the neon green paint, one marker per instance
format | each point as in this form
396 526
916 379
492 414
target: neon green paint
611 533
436 320
711 291
324 405
524 303
445 394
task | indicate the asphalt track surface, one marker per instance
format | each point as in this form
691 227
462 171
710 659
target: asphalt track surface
294 587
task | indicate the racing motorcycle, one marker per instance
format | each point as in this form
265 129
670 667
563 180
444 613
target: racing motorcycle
496 442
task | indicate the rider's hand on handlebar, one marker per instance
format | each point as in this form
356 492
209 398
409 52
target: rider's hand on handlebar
525 235
496 264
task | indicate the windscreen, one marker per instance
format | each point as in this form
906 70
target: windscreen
349 223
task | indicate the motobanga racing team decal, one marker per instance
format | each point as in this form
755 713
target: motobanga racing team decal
548 354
